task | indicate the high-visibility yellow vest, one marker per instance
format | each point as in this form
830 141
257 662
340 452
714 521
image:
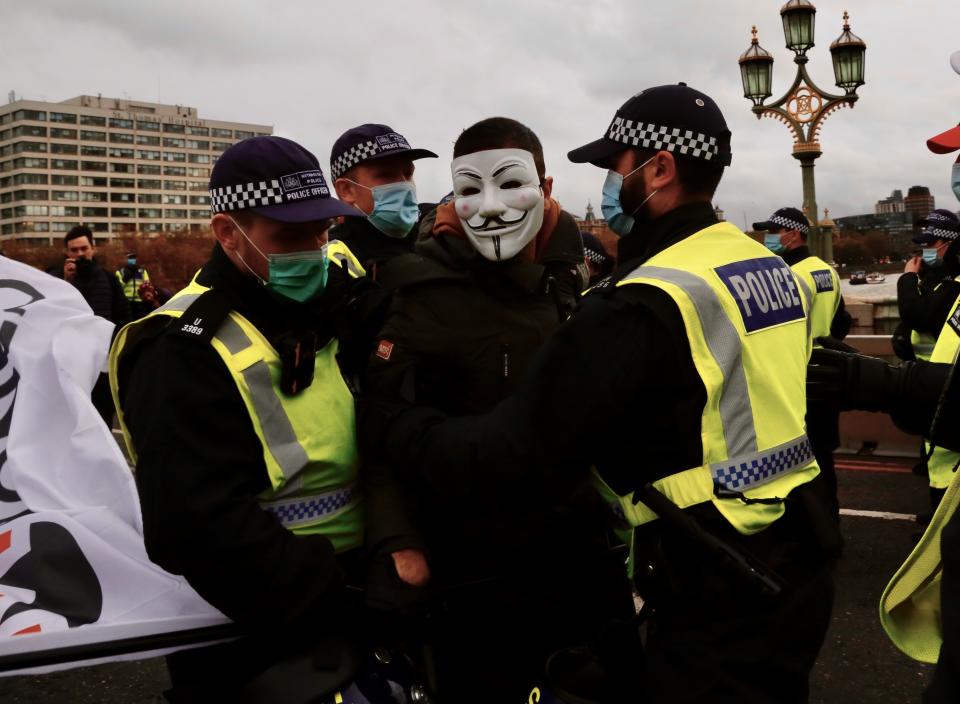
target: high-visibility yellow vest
943 462
824 284
131 288
308 439
922 345
746 317
910 605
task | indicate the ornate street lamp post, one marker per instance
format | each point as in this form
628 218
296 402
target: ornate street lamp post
805 107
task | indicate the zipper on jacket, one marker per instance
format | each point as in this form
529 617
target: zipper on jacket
505 361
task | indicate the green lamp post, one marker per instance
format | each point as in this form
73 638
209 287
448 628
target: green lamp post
804 107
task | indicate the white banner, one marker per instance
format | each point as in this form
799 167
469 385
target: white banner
73 568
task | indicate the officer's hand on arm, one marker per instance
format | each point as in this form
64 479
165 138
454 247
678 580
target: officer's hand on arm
913 265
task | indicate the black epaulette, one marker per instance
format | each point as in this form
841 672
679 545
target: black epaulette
202 319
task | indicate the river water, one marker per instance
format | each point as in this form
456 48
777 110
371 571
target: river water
871 293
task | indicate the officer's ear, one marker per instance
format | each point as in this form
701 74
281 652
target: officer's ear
664 171
346 191
226 231
547 186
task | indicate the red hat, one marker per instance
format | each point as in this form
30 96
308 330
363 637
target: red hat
945 142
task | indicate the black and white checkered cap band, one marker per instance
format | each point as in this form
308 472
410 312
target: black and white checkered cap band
246 195
595 257
790 224
672 139
365 150
940 233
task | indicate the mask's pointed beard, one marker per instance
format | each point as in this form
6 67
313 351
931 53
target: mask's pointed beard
496 247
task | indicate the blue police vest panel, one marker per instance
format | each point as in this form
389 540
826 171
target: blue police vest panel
823 279
765 292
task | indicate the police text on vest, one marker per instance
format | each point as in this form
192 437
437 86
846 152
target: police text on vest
765 292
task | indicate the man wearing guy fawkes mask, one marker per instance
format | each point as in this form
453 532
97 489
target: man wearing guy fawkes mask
496 270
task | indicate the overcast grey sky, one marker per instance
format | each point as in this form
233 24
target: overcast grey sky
429 68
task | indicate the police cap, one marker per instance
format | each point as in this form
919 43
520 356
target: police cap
786 219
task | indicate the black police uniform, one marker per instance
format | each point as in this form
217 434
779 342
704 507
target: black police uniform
710 628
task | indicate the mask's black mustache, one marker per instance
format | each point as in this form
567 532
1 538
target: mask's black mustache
499 222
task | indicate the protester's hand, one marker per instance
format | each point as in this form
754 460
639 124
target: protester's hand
411 566
913 265
69 269
148 292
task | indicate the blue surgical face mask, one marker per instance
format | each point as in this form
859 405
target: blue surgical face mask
930 255
610 204
295 276
773 243
395 209
131 261
955 180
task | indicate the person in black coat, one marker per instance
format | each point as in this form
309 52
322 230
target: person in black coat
517 579
101 291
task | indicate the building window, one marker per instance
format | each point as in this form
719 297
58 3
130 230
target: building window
122 183
29 163
241 134
175 214
121 168
64 195
121 137
38 115
218 132
61 133
62 180
123 198
174 156
171 127
174 200
64 211
26 180
199 158
94 212
66 117
220 146
149 169
174 142
63 164
93 196
28 131
23 227
31 194
120 153
95 120
57 148
93 166
199 214
148 139
20 147
97 226
199 131
174 186
6 119
148 198
95 181
150 213
62 226
87 150
198 144
148 155
198 172
174 171
121 123
123 212
148 126
22 211
148 183
199 200
93 136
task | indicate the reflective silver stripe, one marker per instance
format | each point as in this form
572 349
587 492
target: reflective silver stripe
277 429
351 267
232 336
747 472
809 297
309 509
180 303
736 413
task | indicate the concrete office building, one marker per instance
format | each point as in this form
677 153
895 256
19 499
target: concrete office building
122 167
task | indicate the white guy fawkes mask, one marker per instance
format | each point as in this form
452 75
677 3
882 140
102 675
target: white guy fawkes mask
499 200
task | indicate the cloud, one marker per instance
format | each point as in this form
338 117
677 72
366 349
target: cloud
431 68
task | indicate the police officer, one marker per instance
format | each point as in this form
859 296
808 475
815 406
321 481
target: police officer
131 277
372 169
242 426
787 231
681 343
